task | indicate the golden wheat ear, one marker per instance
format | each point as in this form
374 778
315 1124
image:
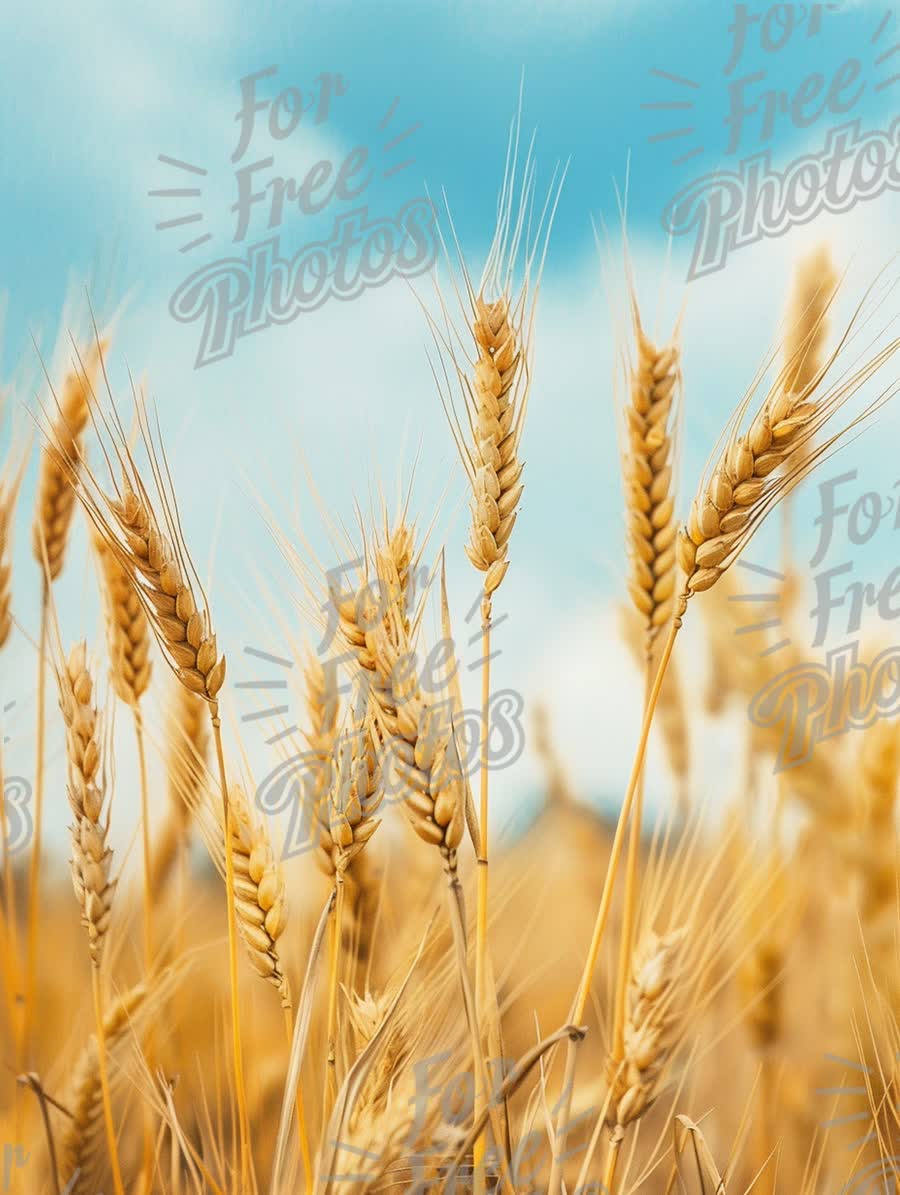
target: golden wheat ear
485 356
60 459
140 526
91 856
652 416
762 463
10 483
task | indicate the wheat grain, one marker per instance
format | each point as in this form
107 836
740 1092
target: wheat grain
496 428
128 635
366 1014
655 380
91 857
652 1026
757 467
181 625
9 493
55 494
82 1151
417 740
360 612
354 795
259 892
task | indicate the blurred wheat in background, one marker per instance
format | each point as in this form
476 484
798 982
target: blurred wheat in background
702 1000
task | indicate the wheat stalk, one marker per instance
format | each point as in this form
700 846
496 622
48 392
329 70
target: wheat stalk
188 741
648 462
55 503
495 384
753 471
652 1026
10 483
91 857
259 892
52 521
81 1151
348 821
652 1032
144 533
651 419
127 632
756 468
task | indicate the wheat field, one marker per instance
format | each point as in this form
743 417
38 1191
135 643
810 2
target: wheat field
368 992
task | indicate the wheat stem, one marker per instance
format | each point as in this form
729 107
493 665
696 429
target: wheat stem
104 1082
302 1128
34 873
630 901
612 1160
147 1167
240 1090
458 925
145 819
584 988
330 1088
481 911
10 928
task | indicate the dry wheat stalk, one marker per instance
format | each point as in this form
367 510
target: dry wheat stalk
126 627
83 1147
259 892
55 495
655 381
91 857
671 709
652 1026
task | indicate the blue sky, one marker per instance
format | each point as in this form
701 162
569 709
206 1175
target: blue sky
95 94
